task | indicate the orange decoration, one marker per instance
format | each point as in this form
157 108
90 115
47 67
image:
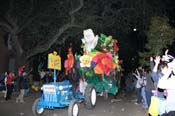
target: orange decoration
68 64
116 49
98 69
104 63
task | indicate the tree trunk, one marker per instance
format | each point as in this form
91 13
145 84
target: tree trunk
18 52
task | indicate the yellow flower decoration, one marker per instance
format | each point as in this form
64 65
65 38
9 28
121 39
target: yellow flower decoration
116 60
92 54
85 61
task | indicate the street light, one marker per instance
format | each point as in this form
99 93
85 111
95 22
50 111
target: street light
134 29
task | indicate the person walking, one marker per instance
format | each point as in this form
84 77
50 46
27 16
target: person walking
149 87
143 89
150 83
138 86
23 83
5 83
9 83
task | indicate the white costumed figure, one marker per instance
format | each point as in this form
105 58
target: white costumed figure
167 82
90 40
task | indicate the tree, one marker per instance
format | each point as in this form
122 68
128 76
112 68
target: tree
39 26
34 26
159 37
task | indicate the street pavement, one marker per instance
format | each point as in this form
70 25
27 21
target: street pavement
122 105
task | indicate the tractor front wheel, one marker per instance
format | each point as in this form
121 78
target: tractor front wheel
73 109
37 110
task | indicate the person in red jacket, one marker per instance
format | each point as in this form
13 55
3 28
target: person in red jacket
9 82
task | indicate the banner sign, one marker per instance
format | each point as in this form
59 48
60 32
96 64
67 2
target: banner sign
54 61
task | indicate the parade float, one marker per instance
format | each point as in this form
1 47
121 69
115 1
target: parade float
99 64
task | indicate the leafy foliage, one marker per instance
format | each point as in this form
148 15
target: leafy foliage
159 36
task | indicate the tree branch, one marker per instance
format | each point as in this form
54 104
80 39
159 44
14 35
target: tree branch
12 22
48 44
29 20
71 13
78 8
11 4
27 23
31 8
16 44
4 25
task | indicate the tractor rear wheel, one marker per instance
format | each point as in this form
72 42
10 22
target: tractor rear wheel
90 97
105 95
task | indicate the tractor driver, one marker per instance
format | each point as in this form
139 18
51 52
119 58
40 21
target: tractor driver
74 79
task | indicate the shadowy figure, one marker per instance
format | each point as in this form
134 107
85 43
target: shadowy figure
74 79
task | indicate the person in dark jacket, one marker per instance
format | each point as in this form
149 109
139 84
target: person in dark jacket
149 87
48 77
74 79
23 83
